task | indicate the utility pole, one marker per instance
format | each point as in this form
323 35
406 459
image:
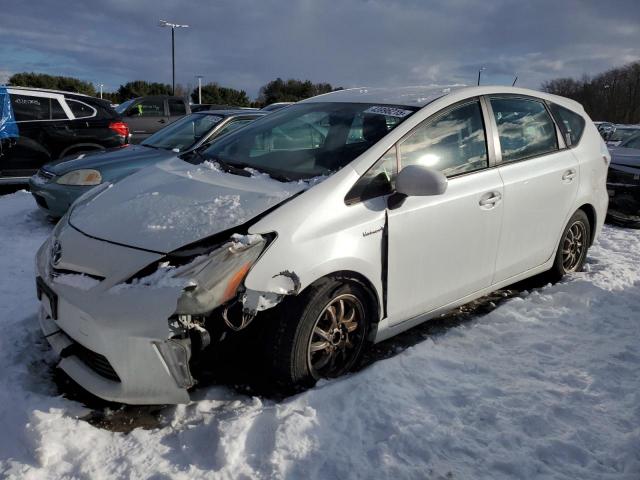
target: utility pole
199 77
479 73
164 23
101 85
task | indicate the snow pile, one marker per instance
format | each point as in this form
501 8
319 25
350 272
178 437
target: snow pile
544 386
75 280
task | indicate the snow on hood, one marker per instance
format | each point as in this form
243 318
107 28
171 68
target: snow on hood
172 204
109 158
625 156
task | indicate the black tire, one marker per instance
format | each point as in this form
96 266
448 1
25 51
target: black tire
573 247
291 333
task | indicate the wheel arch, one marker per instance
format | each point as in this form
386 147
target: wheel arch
351 276
81 147
590 212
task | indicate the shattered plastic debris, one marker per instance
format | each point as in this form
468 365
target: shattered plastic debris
254 301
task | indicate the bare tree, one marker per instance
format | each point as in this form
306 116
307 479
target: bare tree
613 95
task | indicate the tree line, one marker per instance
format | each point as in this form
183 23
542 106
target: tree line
612 96
277 90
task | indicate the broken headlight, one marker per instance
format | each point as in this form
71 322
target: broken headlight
214 279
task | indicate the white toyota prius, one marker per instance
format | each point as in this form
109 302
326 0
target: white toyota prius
331 224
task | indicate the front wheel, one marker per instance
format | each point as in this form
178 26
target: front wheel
572 250
319 334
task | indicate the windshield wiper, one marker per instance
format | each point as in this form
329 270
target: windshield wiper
271 173
238 168
227 167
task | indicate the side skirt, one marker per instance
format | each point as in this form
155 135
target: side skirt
385 330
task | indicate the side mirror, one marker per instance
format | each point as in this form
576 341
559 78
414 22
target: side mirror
417 181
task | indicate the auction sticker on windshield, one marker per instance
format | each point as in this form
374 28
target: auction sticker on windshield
388 111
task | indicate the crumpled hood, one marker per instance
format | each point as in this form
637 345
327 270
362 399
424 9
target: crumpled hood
625 156
174 203
109 158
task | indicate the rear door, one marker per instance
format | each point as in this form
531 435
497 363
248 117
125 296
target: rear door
540 180
145 117
443 248
38 118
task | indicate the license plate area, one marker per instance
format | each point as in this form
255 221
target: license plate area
45 294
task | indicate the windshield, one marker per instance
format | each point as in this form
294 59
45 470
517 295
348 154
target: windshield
123 106
621 134
183 133
633 141
306 140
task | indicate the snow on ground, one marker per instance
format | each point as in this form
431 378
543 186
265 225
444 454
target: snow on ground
547 385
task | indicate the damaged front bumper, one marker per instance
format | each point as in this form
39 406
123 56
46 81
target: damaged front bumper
130 339
117 346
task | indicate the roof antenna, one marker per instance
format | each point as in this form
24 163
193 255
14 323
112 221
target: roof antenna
479 72
515 80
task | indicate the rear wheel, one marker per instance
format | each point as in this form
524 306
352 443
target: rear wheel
572 250
320 334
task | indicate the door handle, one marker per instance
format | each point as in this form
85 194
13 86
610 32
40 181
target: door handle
490 199
569 175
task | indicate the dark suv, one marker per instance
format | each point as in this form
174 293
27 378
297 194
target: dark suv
39 126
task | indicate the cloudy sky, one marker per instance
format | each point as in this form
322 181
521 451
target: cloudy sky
246 43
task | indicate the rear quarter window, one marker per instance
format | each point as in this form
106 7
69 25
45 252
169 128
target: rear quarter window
571 123
81 109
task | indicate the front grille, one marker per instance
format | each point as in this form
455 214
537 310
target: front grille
96 362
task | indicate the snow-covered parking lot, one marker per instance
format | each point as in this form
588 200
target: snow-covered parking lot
546 385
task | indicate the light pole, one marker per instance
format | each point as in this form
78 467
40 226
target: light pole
479 72
164 23
101 85
199 77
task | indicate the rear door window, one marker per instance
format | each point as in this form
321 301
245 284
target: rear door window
57 112
27 108
525 128
177 108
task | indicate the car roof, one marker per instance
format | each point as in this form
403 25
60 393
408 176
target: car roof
419 96
48 90
230 113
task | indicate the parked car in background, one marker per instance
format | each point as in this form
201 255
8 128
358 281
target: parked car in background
623 183
39 126
276 106
57 185
146 115
620 133
198 107
412 202
605 128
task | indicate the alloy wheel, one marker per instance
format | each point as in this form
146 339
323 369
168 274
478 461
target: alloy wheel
574 246
337 337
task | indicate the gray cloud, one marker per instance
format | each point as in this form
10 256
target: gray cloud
244 43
